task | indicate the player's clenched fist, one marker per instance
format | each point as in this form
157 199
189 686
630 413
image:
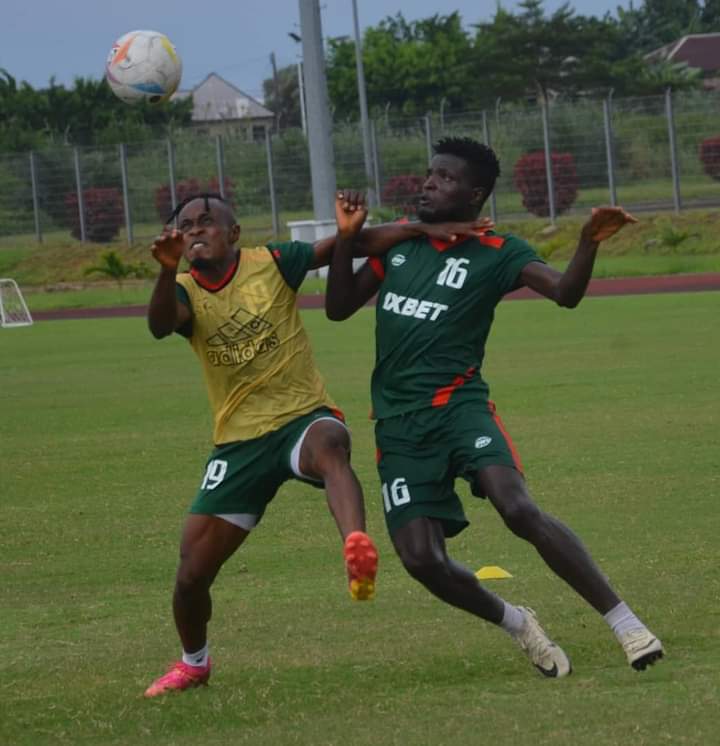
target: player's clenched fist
605 222
350 212
167 248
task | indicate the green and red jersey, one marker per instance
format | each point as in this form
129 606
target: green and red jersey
434 310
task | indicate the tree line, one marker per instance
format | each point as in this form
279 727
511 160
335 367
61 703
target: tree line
410 67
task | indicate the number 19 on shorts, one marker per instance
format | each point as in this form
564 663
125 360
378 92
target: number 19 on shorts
396 495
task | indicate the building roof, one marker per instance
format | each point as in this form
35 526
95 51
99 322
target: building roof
697 50
216 100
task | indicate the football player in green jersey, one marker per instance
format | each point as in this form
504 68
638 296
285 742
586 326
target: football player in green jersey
435 422
274 420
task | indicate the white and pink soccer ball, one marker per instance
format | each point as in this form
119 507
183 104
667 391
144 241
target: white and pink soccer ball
143 66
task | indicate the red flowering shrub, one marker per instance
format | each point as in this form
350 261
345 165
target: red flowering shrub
104 213
710 156
531 181
403 192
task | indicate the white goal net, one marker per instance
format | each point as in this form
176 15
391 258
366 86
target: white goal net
13 309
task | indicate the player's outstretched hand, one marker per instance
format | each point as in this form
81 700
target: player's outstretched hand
605 222
167 248
350 212
452 231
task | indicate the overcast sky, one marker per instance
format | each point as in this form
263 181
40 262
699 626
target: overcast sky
69 38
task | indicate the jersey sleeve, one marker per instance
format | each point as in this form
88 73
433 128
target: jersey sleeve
182 296
294 259
377 265
514 256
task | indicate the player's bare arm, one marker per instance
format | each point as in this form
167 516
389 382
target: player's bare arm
378 239
568 288
347 291
165 312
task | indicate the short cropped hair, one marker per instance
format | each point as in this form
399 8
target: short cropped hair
481 159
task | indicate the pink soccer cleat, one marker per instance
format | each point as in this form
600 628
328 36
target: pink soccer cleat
361 560
180 676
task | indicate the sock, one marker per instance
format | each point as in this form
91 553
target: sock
513 619
196 659
621 619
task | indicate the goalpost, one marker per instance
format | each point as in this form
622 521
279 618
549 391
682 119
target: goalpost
13 309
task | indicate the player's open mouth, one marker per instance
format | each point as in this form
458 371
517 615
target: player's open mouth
197 244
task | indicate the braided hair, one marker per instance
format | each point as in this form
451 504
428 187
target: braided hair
206 196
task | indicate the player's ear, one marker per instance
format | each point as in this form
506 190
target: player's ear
234 232
478 198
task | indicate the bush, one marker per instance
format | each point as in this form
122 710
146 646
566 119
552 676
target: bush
104 213
531 181
402 192
710 156
186 188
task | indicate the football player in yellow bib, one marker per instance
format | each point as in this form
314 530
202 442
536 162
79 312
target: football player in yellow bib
273 418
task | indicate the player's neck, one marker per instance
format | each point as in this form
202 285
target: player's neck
217 274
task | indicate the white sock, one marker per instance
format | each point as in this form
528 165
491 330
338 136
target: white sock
196 659
621 619
513 619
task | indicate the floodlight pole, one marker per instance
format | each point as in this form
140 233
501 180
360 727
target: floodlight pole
364 119
322 159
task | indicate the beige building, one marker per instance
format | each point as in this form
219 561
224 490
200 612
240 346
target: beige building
221 108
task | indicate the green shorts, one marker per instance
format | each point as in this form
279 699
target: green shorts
241 478
421 453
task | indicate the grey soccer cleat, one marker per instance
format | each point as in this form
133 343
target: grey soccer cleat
544 654
641 647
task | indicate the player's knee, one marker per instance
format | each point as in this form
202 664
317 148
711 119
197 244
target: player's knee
191 580
423 564
522 516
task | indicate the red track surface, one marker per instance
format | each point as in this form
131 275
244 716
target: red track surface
620 286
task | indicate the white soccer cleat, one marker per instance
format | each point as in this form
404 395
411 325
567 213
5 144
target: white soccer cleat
544 654
641 647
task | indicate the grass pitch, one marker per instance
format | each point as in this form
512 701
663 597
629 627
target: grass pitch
104 432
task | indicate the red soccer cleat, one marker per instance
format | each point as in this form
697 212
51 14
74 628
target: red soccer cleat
180 676
361 560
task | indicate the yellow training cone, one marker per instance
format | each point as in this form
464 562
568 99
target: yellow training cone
492 572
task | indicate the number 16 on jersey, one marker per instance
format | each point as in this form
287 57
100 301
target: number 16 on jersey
396 495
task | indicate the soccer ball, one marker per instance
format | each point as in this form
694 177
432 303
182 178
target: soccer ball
143 66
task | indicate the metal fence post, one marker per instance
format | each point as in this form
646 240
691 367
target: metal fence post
486 137
428 137
36 203
171 173
81 201
674 165
609 149
271 182
126 193
376 161
548 158
220 157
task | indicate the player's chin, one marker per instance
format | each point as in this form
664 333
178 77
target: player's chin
200 262
426 214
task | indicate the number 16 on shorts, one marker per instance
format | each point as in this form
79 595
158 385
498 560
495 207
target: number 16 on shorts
396 495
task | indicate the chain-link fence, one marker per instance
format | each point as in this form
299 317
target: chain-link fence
656 153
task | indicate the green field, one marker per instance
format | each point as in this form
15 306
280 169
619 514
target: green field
104 433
